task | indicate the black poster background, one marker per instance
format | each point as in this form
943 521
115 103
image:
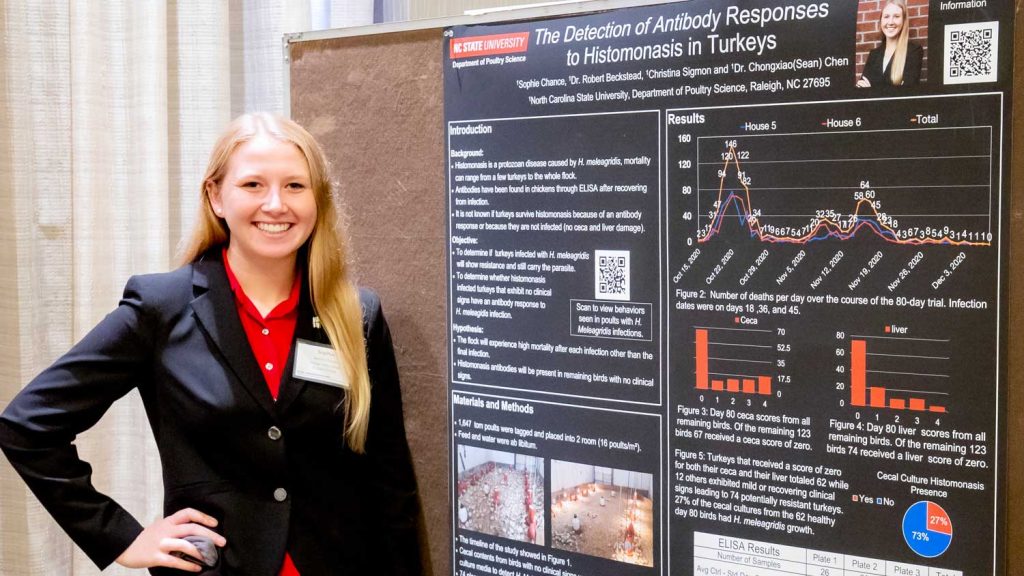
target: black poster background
849 223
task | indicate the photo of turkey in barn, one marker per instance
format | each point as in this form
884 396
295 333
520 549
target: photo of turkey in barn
602 512
501 494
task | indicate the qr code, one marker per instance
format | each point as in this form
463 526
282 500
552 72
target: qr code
611 274
971 53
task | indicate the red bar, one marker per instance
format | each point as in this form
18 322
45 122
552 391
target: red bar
717 385
764 385
858 371
702 359
732 385
898 403
917 404
748 386
877 397
936 409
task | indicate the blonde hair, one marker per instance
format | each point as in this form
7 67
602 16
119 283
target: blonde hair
334 295
899 56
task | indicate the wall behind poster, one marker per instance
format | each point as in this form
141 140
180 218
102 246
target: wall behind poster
398 229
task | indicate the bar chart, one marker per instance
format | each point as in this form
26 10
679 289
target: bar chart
898 372
735 360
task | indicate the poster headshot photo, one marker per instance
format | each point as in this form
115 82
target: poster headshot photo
891 43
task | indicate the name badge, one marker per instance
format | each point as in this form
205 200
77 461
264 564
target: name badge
318 363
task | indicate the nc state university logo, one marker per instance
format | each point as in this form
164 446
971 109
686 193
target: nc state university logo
490 45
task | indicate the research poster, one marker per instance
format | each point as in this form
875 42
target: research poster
727 289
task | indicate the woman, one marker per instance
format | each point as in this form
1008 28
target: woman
897 61
255 362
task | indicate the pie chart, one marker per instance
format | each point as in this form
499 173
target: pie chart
927 529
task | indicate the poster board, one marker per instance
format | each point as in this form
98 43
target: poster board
329 78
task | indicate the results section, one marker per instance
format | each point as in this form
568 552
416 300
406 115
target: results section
830 369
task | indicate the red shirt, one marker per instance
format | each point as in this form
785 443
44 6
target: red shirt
270 338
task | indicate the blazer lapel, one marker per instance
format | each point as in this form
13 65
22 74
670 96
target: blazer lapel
305 329
214 307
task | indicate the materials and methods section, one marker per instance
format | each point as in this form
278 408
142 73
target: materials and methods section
580 484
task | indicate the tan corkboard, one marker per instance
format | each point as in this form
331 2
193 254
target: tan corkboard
376 105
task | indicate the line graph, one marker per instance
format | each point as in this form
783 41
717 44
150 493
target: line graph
899 173
930 194
895 194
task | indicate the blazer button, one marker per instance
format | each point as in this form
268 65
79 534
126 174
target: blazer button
280 494
274 433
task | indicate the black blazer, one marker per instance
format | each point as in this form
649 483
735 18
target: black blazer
879 77
277 475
